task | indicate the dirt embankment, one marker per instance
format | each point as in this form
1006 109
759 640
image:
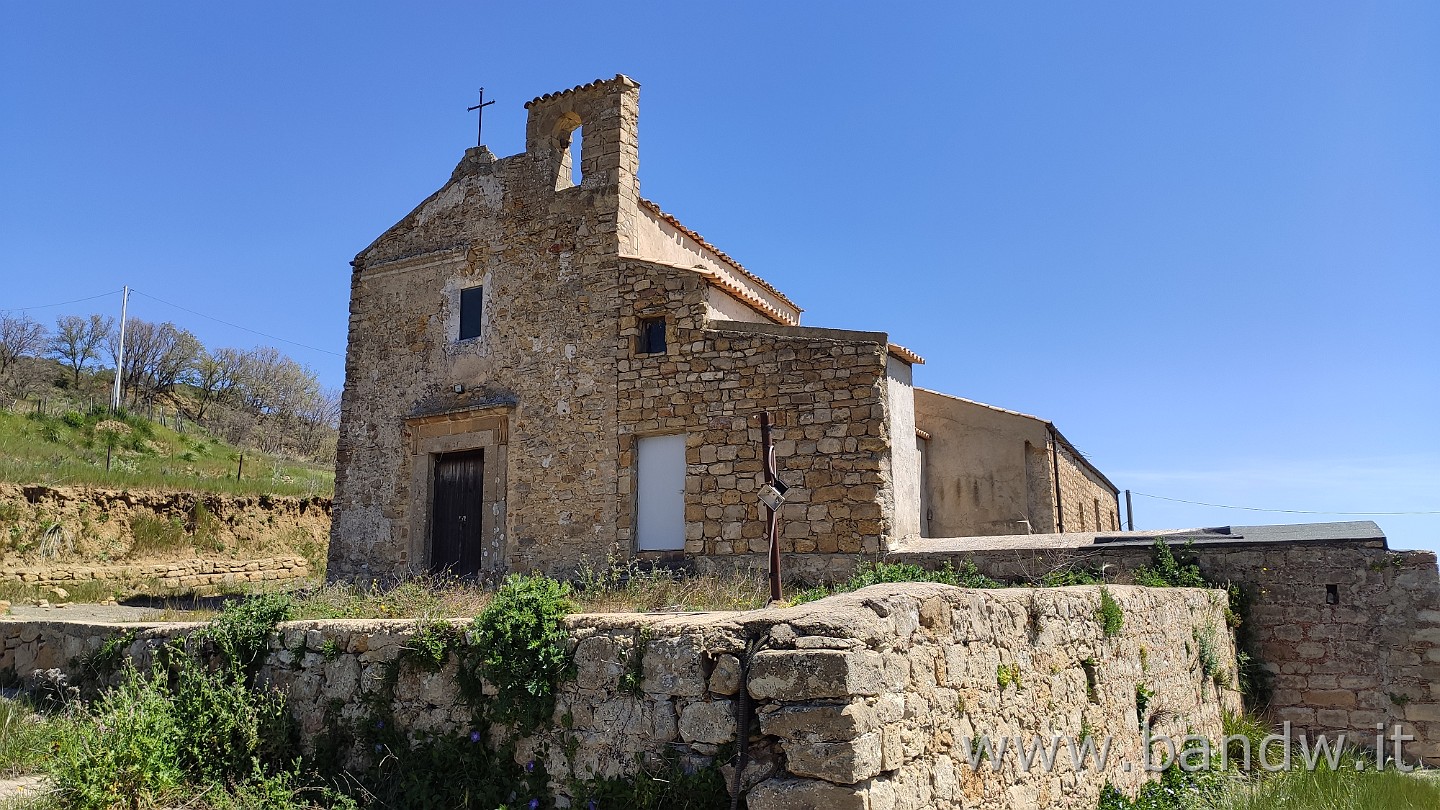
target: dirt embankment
44 526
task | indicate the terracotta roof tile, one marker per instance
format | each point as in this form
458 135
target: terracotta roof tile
905 354
619 77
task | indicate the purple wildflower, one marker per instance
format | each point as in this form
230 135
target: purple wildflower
534 804
530 768
474 736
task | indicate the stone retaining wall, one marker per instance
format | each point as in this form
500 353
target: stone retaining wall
181 576
1348 631
858 701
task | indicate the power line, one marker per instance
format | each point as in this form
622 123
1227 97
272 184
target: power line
1287 511
62 303
238 326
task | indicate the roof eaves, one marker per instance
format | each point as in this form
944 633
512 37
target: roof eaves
670 218
905 354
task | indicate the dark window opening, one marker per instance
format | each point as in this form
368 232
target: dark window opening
471 305
1332 594
652 336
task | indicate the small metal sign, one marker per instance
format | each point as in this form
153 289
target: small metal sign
773 495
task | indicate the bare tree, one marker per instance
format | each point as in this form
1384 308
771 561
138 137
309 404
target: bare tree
178 350
319 415
215 376
156 357
20 336
77 340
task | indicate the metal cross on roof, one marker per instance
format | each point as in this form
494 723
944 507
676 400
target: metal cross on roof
480 124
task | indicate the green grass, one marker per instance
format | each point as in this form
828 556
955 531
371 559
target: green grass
67 449
25 737
1338 790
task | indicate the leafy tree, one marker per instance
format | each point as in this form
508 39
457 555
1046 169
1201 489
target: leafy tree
77 340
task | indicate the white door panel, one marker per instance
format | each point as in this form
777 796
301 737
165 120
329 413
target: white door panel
660 512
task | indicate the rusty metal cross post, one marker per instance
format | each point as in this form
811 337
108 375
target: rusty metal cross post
480 124
772 496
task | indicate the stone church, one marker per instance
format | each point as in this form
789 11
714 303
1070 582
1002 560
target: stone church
544 367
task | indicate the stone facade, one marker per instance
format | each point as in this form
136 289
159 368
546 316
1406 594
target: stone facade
865 700
1348 630
545 329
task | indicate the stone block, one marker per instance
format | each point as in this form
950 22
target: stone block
826 723
671 666
725 678
1330 698
804 794
708 722
810 674
1422 712
840 762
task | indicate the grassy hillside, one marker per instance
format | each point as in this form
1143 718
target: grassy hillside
70 448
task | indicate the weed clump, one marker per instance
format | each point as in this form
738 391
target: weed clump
522 646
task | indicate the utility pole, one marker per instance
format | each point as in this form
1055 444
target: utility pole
120 355
1129 513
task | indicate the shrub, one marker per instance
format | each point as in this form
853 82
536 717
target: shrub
1109 614
431 643
125 752
521 646
225 728
25 736
242 631
1062 577
1166 572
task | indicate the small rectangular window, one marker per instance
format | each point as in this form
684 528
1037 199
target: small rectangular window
472 301
652 336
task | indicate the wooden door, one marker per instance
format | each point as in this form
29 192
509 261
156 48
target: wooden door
455 524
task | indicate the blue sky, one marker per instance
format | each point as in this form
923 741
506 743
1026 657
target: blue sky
1202 238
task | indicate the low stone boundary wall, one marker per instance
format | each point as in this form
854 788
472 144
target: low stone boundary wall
861 700
1349 631
188 576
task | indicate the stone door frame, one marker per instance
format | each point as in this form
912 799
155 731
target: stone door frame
486 429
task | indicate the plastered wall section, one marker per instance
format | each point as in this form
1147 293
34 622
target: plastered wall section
905 472
541 374
976 470
859 701
1372 657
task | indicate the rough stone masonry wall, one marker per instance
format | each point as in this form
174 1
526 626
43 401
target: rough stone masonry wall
201 577
825 390
1371 658
859 701
1088 503
541 373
